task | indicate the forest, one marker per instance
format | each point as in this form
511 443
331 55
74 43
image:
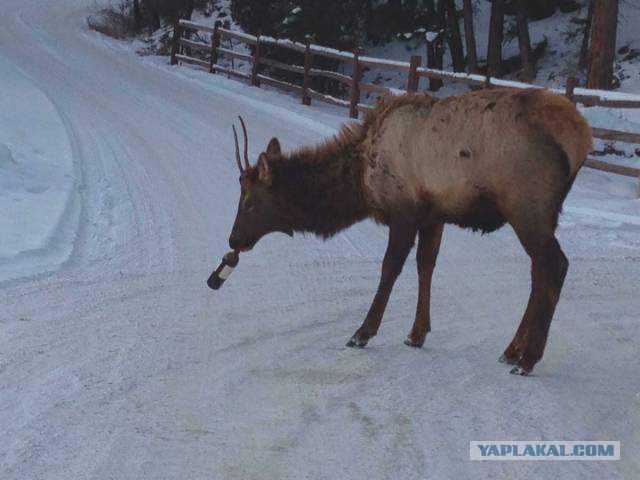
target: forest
446 25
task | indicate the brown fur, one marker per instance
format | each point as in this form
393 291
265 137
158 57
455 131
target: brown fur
323 184
476 160
466 150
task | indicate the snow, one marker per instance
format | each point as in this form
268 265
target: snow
251 38
37 178
431 36
338 53
122 364
275 41
385 61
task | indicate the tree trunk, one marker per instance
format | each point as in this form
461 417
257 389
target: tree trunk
584 48
368 17
603 44
528 67
189 9
137 16
156 24
453 35
435 46
470 37
494 48
395 4
154 17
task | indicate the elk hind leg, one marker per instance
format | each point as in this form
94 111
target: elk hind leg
549 267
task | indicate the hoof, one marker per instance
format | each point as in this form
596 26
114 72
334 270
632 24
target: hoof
507 360
412 343
519 371
357 342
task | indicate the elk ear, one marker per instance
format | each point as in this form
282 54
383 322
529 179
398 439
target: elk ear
273 149
264 171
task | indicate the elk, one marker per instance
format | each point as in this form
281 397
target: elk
416 163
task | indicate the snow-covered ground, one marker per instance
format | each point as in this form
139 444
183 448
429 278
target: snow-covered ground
37 200
121 364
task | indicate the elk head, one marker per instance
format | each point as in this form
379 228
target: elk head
260 210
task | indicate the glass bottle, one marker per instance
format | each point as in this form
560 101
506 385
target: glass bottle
220 274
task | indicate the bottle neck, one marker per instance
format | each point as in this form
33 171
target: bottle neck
231 258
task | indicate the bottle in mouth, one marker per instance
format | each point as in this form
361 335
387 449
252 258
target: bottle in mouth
224 270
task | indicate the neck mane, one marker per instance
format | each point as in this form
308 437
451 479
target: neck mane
323 184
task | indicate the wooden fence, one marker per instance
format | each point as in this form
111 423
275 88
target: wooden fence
185 50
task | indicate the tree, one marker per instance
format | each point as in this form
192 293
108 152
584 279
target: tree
137 16
368 17
435 41
170 10
258 16
470 37
336 24
528 67
496 29
154 21
584 48
453 35
603 44
189 7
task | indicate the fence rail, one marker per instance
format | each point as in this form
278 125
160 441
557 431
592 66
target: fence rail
183 48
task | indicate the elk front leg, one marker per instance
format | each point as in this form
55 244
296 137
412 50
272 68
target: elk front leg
428 247
401 238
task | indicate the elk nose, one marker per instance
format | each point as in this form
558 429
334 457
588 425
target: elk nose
234 243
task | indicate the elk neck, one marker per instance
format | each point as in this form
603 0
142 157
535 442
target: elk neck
322 185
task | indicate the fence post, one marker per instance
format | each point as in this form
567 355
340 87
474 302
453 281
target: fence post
215 43
175 42
187 33
306 99
487 80
355 84
414 78
256 63
572 82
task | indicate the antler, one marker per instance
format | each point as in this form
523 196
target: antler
246 146
246 143
235 137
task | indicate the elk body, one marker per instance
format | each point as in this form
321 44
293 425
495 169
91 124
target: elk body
477 160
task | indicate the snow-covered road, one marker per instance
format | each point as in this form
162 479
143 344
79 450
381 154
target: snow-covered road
119 363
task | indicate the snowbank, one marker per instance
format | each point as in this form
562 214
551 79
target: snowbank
36 178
